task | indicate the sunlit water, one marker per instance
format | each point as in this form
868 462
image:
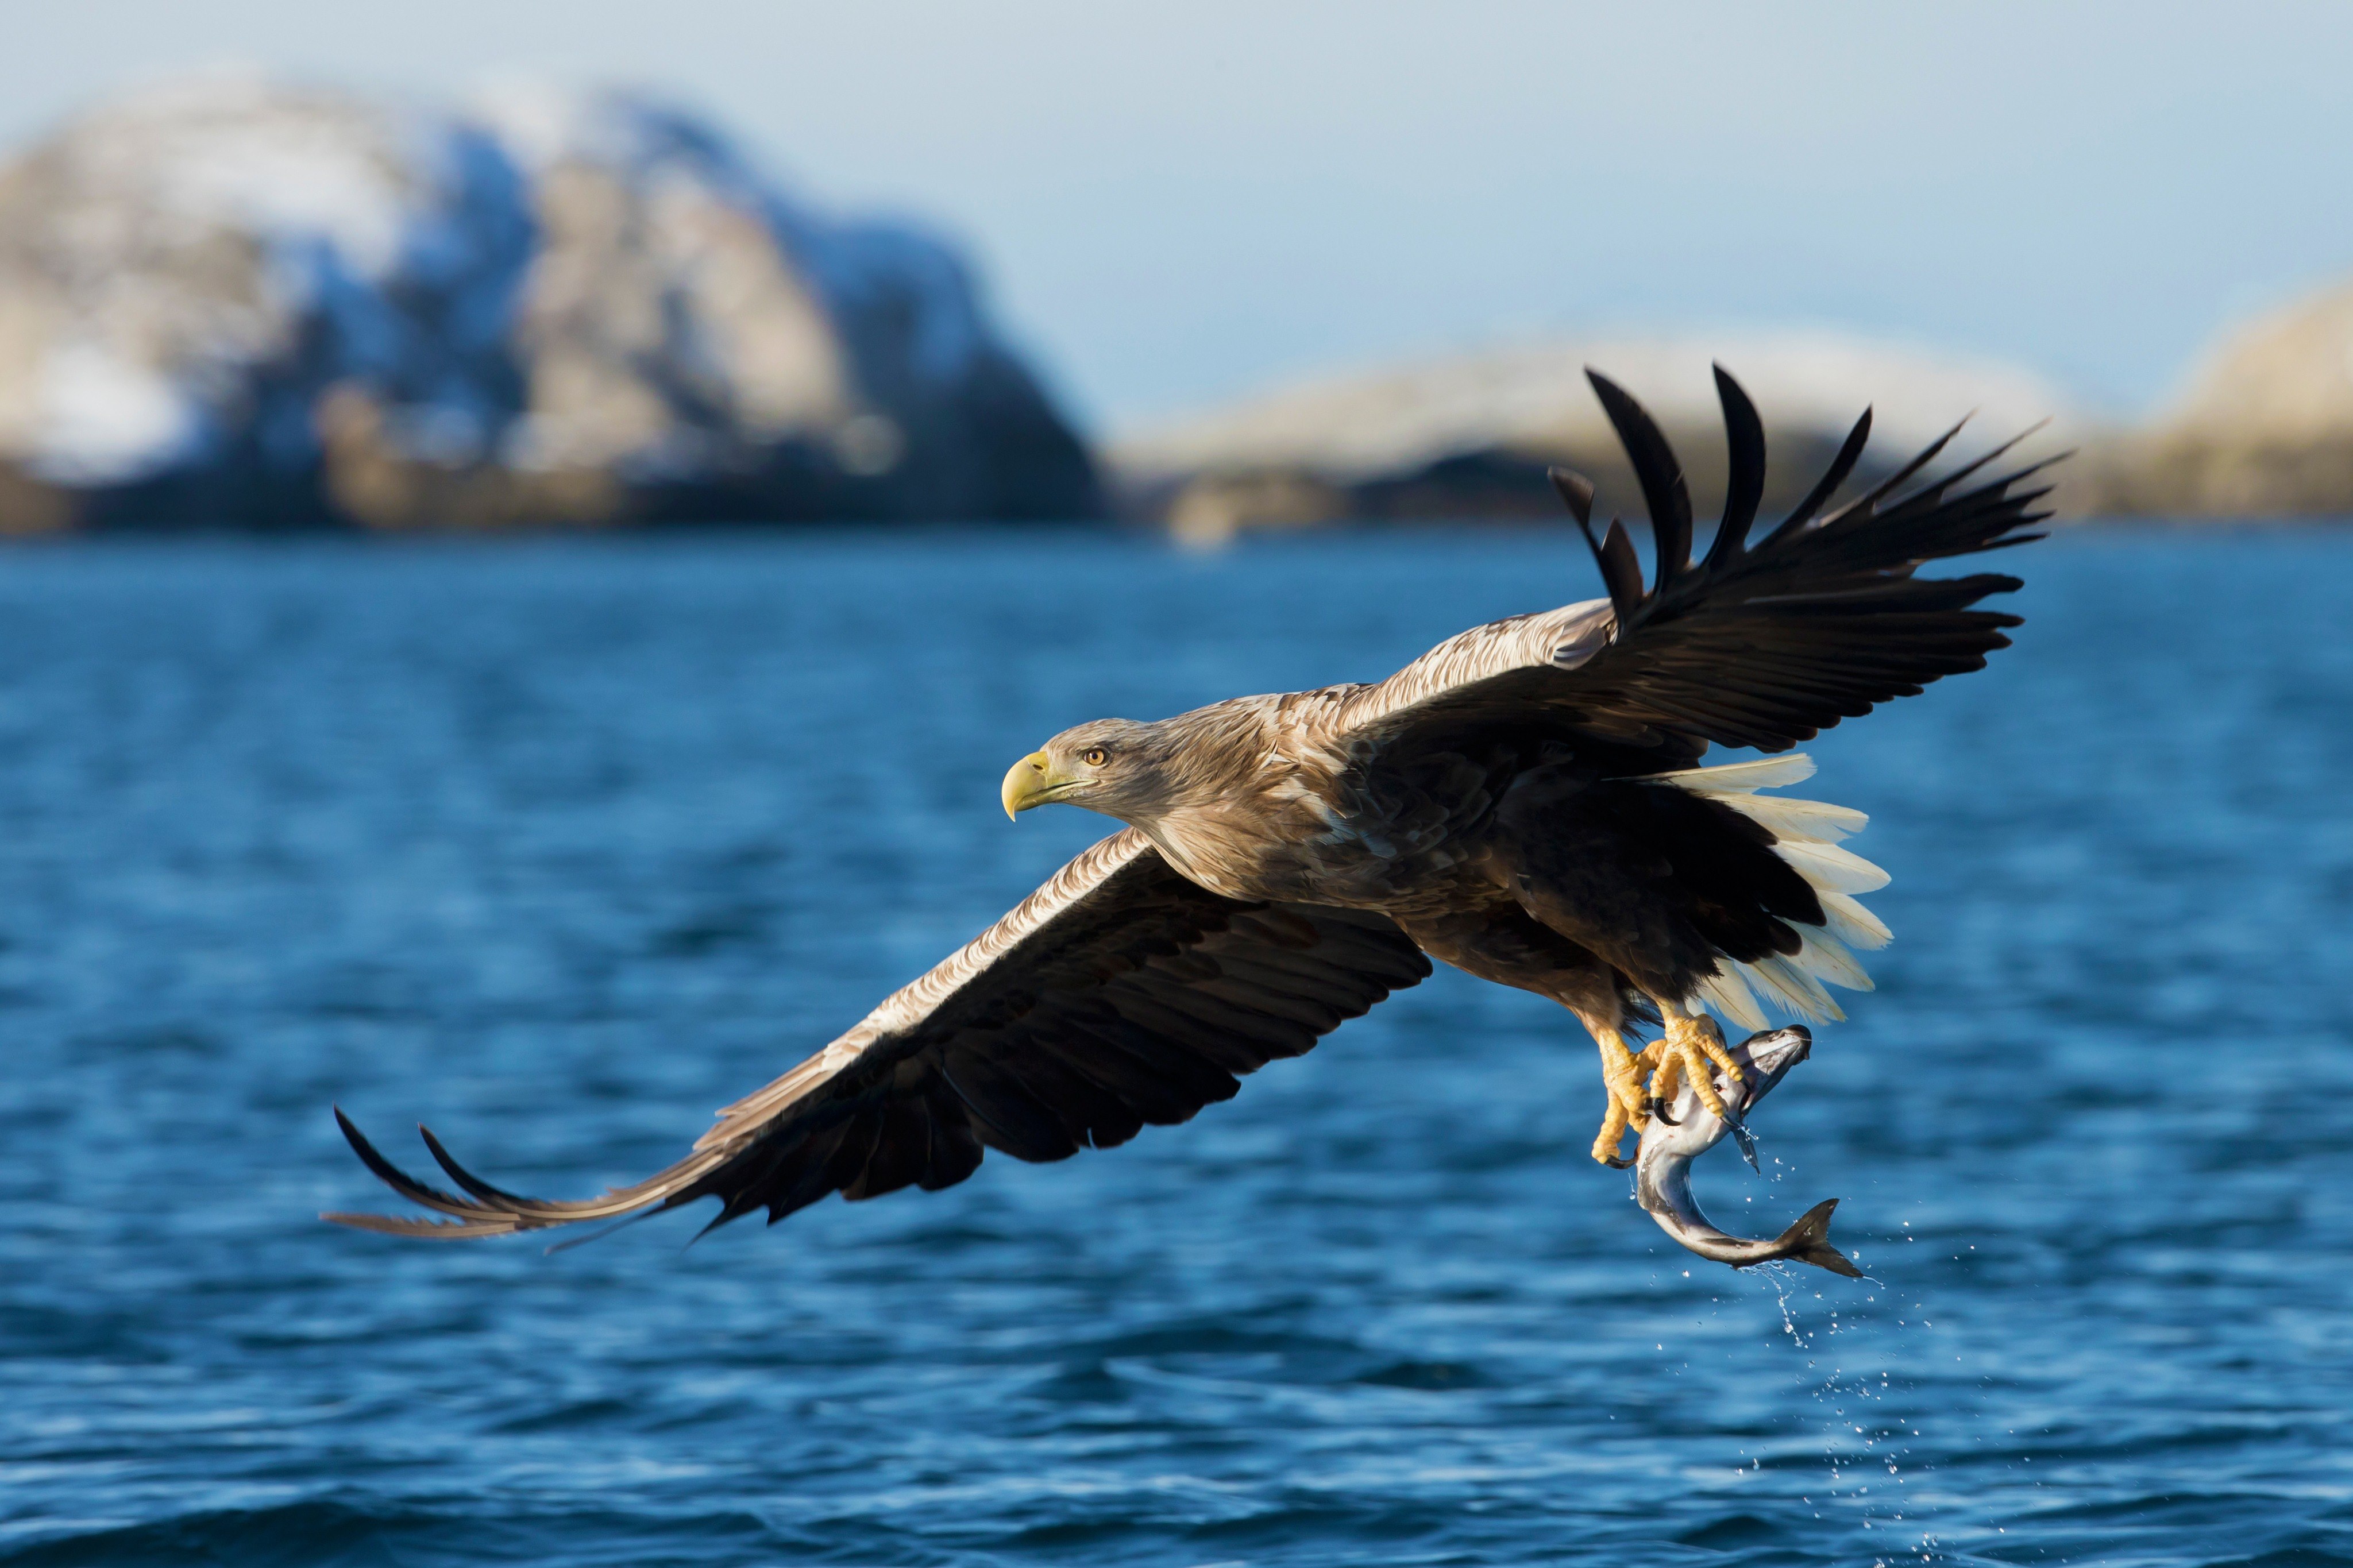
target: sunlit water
558 847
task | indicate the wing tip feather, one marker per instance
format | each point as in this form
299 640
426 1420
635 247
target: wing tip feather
1576 492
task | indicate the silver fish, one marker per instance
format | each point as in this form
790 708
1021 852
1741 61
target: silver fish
1663 1165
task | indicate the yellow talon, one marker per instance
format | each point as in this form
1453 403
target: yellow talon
1693 1046
1664 1066
1710 1040
1622 1077
1613 1134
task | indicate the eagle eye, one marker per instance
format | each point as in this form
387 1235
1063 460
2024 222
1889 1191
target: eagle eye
1094 756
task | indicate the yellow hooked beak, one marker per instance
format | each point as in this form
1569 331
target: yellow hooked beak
1031 782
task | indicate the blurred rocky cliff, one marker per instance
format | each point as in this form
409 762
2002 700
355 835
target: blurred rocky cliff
2264 429
233 303
1471 436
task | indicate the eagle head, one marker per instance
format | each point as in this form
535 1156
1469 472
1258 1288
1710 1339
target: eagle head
1112 766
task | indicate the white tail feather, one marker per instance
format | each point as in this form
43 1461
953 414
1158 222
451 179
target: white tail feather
1792 989
1826 958
1729 994
1741 778
1806 834
1852 923
1807 821
1831 868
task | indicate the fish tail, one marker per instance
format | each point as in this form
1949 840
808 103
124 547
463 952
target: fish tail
1808 1241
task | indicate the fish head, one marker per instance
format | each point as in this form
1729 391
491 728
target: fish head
1765 1059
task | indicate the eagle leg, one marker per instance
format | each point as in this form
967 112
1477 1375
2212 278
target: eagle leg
1621 1075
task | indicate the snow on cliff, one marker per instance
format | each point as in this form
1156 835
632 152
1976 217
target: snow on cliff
229 296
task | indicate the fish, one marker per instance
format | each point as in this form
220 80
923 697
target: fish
1663 1162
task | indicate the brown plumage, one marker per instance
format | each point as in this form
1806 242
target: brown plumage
1520 801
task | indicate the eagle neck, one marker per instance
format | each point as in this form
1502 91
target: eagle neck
1211 821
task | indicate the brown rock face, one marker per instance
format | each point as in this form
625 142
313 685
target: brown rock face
2266 429
234 304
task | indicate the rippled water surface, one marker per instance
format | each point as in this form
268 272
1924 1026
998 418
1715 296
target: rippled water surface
558 847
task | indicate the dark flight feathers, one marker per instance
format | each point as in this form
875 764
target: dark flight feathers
1134 997
1765 645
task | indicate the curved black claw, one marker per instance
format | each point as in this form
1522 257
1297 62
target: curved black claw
1658 1108
1615 1163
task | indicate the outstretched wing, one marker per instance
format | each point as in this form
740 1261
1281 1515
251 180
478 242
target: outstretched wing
1118 993
1760 645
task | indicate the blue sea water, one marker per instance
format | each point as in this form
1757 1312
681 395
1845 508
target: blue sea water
559 845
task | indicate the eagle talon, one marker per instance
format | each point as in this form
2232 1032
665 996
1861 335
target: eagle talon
1626 1108
1658 1108
1692 1050
1619 1121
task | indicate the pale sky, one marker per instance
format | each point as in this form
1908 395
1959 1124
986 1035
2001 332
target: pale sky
1176 202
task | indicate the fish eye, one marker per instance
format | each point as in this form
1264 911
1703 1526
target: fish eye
1094 756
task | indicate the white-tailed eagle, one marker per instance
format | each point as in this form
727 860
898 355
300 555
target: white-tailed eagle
1522 802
